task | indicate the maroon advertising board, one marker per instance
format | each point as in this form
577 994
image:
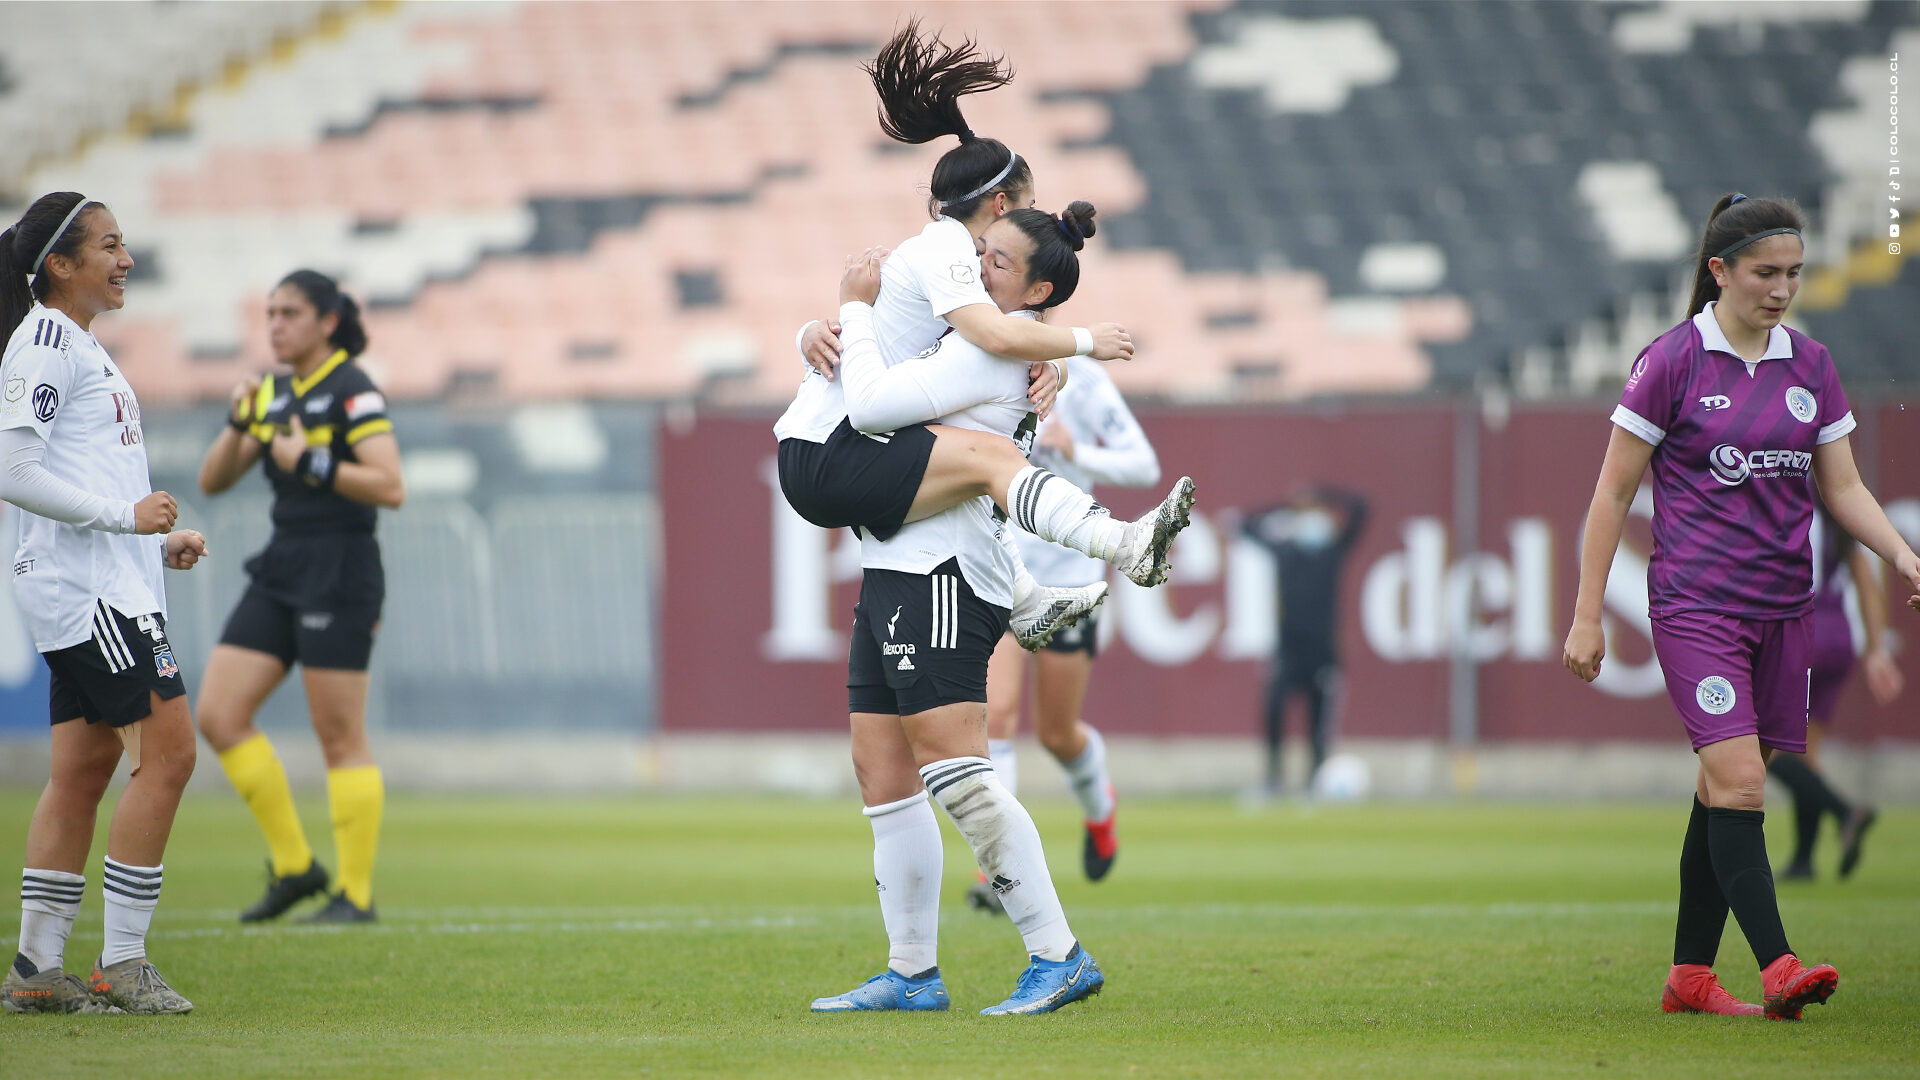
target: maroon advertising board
755 604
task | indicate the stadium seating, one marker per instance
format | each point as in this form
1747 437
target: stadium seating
51 103
1298 199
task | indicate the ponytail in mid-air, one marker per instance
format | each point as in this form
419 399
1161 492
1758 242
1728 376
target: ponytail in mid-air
920 81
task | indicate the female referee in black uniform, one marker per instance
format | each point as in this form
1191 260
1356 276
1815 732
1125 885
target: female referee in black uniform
328 450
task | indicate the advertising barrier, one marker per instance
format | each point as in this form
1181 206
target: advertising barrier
757 603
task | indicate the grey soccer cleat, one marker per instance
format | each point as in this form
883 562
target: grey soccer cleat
53 990
135 986
1049 610
1144 543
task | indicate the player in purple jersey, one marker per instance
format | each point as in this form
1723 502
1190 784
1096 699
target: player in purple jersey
1832 662
1733 411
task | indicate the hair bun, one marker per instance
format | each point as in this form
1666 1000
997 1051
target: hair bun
1076 222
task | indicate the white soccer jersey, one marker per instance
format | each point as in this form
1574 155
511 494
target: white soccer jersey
926 277
986 393
56 379
1109 448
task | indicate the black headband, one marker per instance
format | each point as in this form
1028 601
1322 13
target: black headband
1745 240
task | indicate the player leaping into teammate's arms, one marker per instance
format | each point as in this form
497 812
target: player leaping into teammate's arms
933 603
88 578
1732 410
835 476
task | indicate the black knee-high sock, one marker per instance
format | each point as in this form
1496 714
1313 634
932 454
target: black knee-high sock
1703 908
1812 797
1739 843
1275 725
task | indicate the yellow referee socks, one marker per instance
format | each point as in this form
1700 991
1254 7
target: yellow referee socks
358 796
256 774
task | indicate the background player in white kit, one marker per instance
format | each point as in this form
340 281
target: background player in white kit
1092 438
87 576
939 590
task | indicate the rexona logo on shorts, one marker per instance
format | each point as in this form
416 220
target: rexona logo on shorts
1715 695
1732 466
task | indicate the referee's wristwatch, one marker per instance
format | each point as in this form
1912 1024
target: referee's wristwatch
317 466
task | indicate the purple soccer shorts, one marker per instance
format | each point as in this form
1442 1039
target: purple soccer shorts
1729 677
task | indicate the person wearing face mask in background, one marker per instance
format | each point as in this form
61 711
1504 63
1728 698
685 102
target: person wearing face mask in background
1309 538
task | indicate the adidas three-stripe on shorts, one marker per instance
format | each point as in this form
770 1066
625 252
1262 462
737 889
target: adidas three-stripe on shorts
920 641
107 679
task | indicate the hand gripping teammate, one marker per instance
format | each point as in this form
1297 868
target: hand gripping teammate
87 575
835 476
327 446
1092 438
933 603
1733 411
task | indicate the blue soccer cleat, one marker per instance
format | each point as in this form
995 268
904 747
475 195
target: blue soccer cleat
1047 985
890 990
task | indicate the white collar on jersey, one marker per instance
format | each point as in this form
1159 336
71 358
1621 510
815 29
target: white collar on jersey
1714 339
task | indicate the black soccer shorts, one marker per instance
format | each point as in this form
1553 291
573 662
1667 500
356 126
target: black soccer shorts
920 641
854 479
313 600
107 680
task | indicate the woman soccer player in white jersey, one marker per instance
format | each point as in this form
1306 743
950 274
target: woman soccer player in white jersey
1092 438
933 603
1732 410
323 439
835 476
87 576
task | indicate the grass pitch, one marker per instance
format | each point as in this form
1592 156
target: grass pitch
655 937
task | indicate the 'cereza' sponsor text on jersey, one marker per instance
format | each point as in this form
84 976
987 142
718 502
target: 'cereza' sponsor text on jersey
1734 444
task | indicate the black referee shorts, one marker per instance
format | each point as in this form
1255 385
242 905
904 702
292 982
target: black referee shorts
854 479
107 680
313 600
920 641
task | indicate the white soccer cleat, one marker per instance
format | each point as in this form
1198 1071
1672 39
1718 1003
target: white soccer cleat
1144 541
1049 610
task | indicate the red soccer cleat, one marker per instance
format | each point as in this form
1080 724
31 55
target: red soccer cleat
1693 988
1101 847
1790 987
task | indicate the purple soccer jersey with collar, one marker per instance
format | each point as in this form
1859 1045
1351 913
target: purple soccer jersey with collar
1733 456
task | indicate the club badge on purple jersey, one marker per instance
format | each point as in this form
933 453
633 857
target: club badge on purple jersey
1734 443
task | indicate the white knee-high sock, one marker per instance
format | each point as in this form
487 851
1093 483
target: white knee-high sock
906 872
1007 847
1088 775
1055 509
1000 751
132 893
49 902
